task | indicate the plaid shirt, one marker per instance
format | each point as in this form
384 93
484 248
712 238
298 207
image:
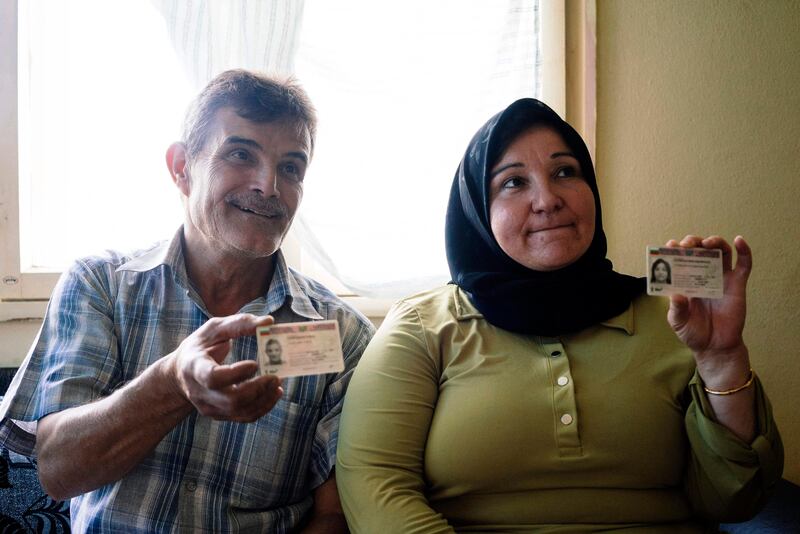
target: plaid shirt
111 317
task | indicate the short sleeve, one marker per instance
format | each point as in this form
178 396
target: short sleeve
72 361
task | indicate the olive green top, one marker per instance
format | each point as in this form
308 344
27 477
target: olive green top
450 423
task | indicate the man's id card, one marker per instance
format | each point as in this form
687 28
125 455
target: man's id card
692 272
298 349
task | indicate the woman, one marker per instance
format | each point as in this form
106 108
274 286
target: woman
660 272
542 391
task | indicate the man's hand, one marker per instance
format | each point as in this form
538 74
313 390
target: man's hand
226 392
113 434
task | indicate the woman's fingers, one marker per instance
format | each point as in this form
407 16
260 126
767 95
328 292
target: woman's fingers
744 258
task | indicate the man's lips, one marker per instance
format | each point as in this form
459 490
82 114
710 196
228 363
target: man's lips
256 212
270 208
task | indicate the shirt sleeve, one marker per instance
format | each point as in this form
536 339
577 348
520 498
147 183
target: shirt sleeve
72 361
730 480
387 414
356 333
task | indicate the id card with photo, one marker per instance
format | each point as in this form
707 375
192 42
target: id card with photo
692 272
299 349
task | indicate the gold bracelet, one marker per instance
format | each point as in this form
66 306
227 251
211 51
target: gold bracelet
734 390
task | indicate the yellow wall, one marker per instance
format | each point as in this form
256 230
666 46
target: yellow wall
698 131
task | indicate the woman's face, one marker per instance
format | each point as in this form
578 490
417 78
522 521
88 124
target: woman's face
660 272
541 210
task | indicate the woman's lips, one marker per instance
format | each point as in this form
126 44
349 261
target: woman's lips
552 227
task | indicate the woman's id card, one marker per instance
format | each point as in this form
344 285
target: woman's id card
299 349
692 272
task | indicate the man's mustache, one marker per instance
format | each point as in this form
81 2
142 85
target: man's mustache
254 202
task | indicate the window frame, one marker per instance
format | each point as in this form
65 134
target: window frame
569 57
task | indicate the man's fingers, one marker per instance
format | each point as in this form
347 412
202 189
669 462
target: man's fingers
244 402
222 376
218 329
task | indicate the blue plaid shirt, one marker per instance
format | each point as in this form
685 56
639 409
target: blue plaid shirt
111 317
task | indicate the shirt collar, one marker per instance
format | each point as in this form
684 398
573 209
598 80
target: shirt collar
168 253
623 321
465 309
283 287
286 286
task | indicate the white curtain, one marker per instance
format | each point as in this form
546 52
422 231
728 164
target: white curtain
400 88
211 36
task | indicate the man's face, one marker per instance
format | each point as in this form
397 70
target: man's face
245 185
274 352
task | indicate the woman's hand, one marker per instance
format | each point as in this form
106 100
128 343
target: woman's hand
714 326
712 329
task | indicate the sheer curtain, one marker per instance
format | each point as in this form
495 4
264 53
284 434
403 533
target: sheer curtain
400 88
211 36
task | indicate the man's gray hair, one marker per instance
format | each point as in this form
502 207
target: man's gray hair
254 96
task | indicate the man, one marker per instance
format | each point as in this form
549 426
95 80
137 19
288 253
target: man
274 352
151 415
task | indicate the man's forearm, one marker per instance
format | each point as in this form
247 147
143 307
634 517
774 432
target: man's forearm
327 516
83 448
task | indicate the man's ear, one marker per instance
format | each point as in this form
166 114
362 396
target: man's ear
178 167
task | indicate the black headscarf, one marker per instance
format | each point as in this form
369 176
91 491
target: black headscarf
508 294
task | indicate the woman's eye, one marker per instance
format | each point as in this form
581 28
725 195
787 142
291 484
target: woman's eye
512 183
567 172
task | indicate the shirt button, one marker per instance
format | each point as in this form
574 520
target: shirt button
191 486
563 380
566 418
555 353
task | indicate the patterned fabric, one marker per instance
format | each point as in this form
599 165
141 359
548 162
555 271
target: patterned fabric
24 507
109 319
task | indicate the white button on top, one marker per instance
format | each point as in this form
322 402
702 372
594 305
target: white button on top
566 418
563 380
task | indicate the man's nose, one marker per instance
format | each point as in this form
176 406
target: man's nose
267 184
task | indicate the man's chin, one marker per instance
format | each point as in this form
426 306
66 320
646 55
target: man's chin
256 249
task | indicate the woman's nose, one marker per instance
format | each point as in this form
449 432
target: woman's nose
545 198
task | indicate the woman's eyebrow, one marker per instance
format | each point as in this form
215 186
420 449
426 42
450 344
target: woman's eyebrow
555 155
504 167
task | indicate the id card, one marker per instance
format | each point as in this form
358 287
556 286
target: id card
298 349
692 272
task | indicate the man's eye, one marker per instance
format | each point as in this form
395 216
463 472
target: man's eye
291 169
241 155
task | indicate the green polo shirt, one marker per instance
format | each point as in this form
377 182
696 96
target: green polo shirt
452 424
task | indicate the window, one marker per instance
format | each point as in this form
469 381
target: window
89 151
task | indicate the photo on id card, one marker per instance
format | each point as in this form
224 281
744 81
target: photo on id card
692 272
299 349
